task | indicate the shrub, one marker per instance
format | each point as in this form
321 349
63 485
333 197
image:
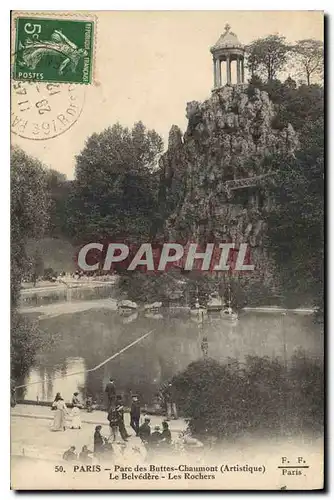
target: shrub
225 400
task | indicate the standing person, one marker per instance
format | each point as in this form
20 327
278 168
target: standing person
98 440
135 414
170 402
59 421
57 398
205 346
166 435
113 421
120 419
110 390
145 431
89 404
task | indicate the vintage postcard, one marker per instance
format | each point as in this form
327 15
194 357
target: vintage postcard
167 217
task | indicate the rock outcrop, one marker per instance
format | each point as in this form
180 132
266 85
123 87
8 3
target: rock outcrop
229 137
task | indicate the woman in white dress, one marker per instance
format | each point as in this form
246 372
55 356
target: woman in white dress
76 419
59 421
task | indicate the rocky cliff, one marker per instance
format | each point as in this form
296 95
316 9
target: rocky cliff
229 137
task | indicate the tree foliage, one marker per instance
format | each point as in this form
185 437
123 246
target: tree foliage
309 55
114 194
223 400
29 217
296 223
29 212
267 56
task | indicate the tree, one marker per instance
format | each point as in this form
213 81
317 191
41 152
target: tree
309 55
115 192
226 400
59 188
29 216
29 212
267 56
296 223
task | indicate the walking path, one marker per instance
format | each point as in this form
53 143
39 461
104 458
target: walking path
31 435
57 309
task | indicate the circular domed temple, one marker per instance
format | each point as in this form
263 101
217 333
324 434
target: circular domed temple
228 49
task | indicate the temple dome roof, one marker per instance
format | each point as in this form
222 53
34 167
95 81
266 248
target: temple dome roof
228 40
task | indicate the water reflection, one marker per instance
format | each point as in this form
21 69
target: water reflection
84 339
48 380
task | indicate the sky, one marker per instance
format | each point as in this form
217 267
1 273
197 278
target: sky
148 65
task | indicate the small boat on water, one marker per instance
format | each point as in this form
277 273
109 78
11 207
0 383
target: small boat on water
128 318
214 303
153 308
152 315
228 314
126 307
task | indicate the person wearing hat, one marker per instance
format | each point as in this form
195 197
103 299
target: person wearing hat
120 418
145 430
135 414
110 390
155 436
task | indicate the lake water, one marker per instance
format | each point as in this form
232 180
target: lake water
82 340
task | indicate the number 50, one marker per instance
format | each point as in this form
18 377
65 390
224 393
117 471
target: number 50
31 28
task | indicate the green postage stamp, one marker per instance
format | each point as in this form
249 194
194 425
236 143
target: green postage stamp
53 50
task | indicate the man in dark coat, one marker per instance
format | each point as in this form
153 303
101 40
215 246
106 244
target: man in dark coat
120 419
145 431
170 402
113 417
135 414
110 390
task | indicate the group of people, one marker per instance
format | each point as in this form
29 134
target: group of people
115 414
116 419
61 412
85 456
158 437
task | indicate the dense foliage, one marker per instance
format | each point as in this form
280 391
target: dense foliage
29 217
115 191
227 399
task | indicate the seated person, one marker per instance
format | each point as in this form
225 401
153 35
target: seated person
166 436
84 455
145 430
70 454
155 438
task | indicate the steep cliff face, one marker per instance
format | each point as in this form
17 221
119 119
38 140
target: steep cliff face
229 137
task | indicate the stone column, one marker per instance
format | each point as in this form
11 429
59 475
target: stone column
218 73
242 71
238 70
214 73
228 70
